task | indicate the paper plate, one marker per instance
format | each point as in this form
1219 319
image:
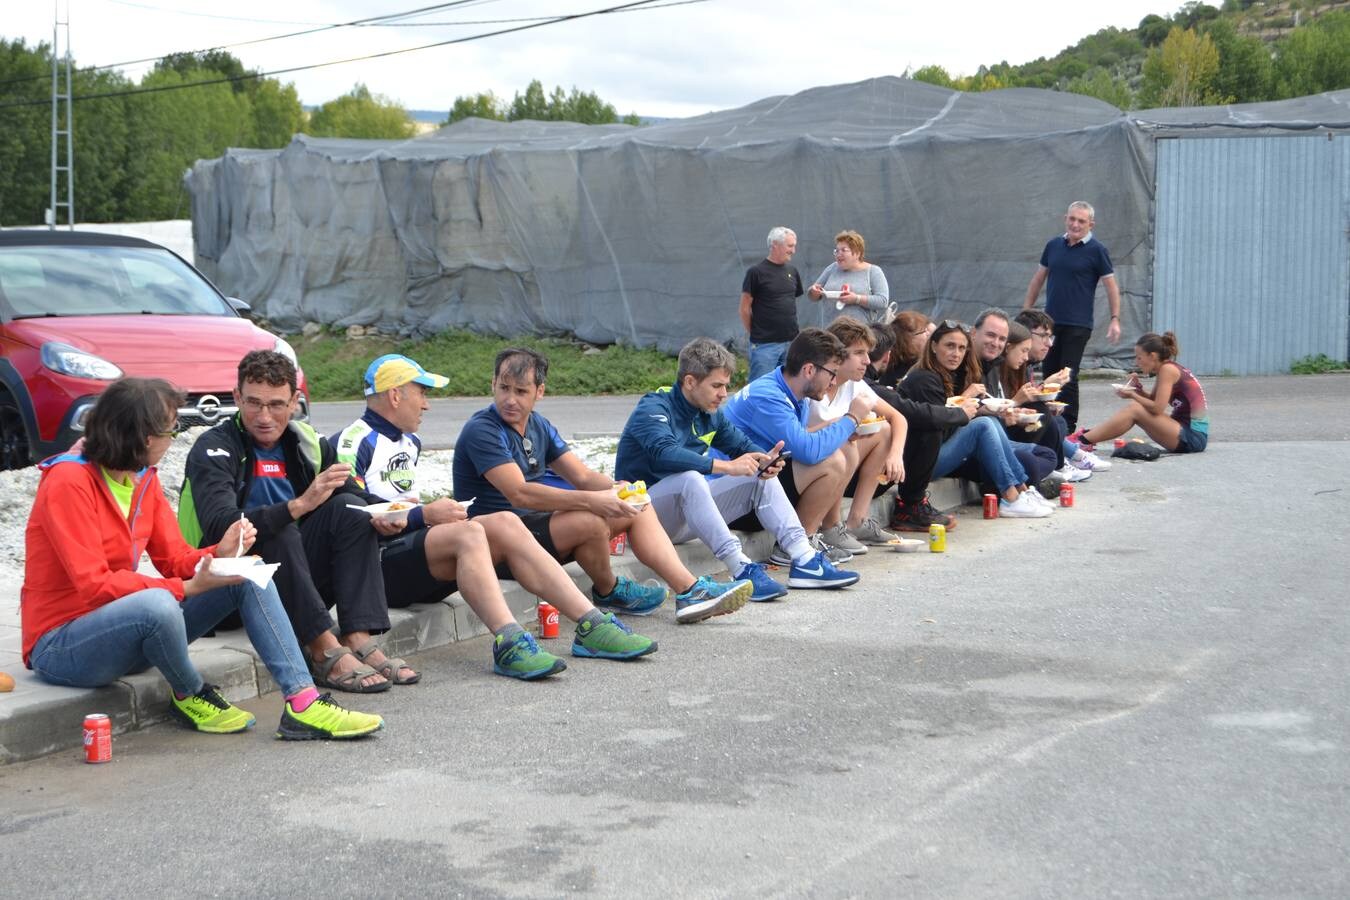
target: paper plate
251 567
996 404
392 510
906 545
1125 387
832 295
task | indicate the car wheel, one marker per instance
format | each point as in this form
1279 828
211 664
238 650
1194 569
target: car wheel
14 447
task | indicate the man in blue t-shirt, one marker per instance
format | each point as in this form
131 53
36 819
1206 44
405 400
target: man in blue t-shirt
508 457
1073 264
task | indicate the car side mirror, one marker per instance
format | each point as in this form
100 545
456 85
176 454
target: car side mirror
238 305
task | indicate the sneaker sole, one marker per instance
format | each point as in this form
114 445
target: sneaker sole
535 675
305 733
723 605
769 598
579 650
188 722
811 583
625 611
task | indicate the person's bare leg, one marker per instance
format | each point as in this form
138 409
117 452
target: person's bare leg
459 552
652 546
325 642
1121 421
819 487
585 536
1163 429
872 449
850 449
354 640
510 542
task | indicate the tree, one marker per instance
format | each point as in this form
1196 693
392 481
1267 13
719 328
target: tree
1153 30
1099 83
1314 58
1246 74
559 106
360 114
531 105
1181 71
482 106
227 65
25 138
277 114
933 75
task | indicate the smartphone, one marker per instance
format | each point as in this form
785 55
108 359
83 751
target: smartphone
785 456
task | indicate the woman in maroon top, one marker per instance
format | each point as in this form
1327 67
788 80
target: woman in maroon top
1174 413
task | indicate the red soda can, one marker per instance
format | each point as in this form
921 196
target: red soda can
97 738
618 544
548 620
1120 442
1066 495
991 506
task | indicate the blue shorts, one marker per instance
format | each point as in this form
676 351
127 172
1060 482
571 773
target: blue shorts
1191 441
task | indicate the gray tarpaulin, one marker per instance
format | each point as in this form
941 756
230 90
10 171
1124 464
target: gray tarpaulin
642 235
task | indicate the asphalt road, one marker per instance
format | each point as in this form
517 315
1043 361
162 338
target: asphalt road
1307 407
1143 696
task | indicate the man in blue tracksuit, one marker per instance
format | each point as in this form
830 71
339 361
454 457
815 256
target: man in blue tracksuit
669 441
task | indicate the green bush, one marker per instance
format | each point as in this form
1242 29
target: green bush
1316 365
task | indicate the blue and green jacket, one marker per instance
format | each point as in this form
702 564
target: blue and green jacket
667 435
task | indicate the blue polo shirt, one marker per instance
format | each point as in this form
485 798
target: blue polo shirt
1074 273
487 442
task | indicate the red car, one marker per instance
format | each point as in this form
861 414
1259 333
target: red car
79 310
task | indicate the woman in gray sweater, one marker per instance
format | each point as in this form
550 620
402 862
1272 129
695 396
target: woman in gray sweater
858 288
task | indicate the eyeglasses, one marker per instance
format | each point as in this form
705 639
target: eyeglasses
832 373
839 250
273 407
1044 335
953 325
175 432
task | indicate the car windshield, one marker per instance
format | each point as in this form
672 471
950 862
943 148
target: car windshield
99 281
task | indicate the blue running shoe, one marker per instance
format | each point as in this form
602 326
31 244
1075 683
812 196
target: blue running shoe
708 598
631 598
766 588
819 572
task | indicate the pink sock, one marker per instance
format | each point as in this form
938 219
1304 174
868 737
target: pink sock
301 701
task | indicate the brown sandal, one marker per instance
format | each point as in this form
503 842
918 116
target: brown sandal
347 681
391 666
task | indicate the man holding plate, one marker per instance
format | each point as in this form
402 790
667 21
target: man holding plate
289 483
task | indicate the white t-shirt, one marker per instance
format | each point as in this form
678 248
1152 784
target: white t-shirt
828 410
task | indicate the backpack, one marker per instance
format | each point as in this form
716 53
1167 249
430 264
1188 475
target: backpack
1138 450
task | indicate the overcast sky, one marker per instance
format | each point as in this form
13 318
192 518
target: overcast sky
678 61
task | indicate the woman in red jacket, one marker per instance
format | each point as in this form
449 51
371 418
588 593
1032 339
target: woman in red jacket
89 617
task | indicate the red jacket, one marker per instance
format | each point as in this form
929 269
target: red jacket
82 552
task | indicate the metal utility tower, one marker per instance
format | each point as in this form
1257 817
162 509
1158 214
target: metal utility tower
63 154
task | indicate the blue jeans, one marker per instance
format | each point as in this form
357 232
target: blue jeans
764 358
984 440
151 628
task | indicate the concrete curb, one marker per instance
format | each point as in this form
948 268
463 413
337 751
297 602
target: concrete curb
39 718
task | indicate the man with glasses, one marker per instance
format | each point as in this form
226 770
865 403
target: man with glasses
286 480
776 407
1073 264
769 295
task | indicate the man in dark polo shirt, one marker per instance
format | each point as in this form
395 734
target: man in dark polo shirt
1073 263
769 295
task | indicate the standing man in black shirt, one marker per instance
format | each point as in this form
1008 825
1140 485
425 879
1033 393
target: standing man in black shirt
769 303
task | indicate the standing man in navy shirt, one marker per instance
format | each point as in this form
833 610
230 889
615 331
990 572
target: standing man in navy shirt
769 295
1073 263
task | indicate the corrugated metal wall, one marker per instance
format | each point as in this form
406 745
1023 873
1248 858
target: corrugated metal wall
1252 259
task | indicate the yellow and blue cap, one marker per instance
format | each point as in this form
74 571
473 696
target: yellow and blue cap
394 370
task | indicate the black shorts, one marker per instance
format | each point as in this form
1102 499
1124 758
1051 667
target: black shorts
537 523
408 578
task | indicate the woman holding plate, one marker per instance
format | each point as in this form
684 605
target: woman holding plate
90 616
857 287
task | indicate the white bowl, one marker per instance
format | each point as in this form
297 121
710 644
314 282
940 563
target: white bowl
866 428
395 509
1125 387
1046 397
832 295
996 404
906 545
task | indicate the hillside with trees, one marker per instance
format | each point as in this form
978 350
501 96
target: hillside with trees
1245 51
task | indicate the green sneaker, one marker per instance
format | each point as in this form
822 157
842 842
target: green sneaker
520 657
324 720
207 711
611 639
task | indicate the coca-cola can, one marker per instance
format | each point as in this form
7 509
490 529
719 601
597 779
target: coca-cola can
548 620
1066 495
97 738
618 544
991 506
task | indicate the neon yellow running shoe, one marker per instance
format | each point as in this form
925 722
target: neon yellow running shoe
325 720
207 711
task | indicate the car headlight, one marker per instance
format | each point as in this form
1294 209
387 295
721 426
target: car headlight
70 360
285 350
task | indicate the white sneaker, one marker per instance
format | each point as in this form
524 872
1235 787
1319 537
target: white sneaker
837 536
1090 462
1099 463
1070 474
1022 508
1043 500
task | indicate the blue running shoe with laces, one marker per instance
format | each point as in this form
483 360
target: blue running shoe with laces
819 572
630 598
708 598
765 588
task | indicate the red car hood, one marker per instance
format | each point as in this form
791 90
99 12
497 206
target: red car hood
195 353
